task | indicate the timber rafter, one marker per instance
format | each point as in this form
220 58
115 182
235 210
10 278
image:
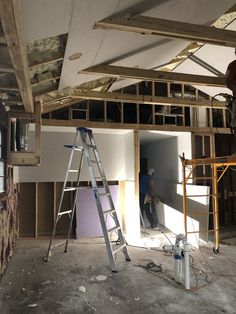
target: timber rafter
10 14
155 26
152 75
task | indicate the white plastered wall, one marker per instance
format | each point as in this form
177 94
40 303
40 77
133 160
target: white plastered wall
54 157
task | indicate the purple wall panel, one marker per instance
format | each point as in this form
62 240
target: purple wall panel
87 219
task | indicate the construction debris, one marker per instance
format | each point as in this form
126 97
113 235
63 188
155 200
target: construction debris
101 278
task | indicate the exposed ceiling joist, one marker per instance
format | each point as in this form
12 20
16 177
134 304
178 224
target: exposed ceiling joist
48 59
4 69
2 40
10 14
127 98
155 26
9 89
152 75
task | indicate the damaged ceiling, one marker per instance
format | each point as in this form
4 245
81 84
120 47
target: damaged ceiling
45 57
61 42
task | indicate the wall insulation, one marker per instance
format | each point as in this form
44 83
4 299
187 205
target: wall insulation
8 221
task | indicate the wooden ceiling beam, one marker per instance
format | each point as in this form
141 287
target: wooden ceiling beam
131 126
10 14
55 104
159 76
162 27
2 40
4 69
8 89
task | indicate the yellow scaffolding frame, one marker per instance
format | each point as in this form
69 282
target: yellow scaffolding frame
215 162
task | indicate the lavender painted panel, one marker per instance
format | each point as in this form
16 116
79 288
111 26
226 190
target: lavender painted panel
87 219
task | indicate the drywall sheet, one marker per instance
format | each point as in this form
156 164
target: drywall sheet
55 158
174 221
87 219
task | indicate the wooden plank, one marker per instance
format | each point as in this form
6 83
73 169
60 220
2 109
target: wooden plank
27 210
173 29
45 208
219 161
10 14
2 40
122 202
38 122
45 58
22 159
8 89
129 126
152 75
36 208
136 167
129 98
4 69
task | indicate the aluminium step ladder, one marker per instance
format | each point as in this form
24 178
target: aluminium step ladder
90 153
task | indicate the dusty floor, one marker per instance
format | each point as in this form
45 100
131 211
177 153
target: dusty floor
54 287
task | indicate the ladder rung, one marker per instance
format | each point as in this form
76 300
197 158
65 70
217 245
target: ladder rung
104 194
203 178
64 213
94 161
120 247
73 170
70 189
113 229
202 231
200 195
97 178
92 146
202 213
75 147
109 211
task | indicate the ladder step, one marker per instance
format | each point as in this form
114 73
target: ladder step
114 229
120 247
92 146
75 147
64 213
94 161
110 211
70 189
104 194
100 177
73 170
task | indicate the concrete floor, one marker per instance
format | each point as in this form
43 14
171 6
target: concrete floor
54 287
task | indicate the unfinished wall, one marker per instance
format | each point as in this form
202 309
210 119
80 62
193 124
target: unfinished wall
116 149
8 222
8 213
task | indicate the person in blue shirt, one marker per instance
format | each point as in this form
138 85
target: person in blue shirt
145 197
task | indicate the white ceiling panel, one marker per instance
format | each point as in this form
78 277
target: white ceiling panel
46 18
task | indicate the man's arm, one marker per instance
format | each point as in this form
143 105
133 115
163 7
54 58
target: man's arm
231 76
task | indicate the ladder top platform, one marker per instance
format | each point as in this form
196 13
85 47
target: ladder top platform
219 161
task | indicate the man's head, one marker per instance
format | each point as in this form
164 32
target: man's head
151 171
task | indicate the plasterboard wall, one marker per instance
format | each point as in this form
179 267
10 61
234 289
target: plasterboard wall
163 156
116 153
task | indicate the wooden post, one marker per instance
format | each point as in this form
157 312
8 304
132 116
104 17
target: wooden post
38 123
136 166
